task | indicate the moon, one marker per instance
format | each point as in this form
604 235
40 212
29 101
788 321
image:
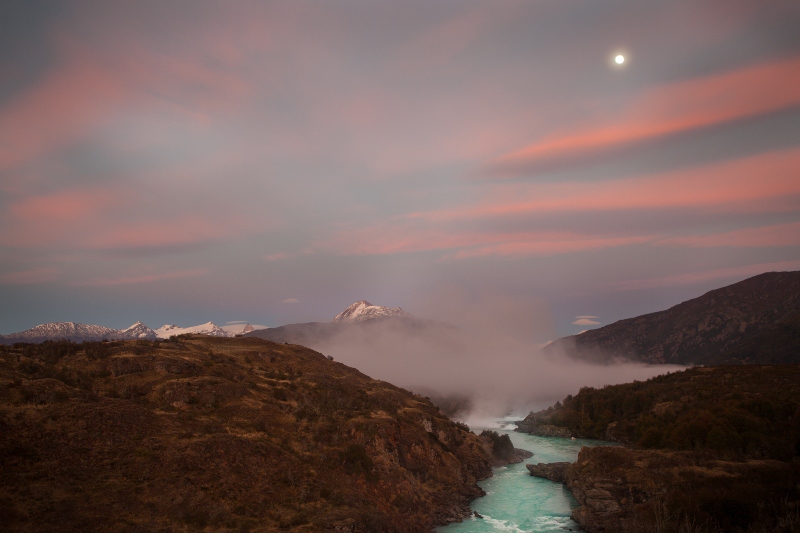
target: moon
620 59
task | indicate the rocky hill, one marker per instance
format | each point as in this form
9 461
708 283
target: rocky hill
219 434
717 448
642 491
713 328
738 411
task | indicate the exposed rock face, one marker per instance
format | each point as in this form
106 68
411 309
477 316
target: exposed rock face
551 471
619 489
705 330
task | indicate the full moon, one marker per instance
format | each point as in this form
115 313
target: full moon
620 59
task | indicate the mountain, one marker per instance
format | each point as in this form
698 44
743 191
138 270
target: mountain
138 331
209 328
710 329
362 311
84 332
62 330
361 318
239 329
203 433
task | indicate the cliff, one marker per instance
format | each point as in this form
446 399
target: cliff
216 434
619 489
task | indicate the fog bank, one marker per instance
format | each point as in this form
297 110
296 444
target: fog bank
489 358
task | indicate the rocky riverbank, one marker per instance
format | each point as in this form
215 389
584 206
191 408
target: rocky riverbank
620 489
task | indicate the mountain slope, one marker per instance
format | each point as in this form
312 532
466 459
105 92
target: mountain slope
360 318
138 331
209 328
62 330
219 434
699 330
362 311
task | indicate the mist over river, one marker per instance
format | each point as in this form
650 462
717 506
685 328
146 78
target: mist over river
517 502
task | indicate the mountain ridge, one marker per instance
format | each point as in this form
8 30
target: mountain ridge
706 329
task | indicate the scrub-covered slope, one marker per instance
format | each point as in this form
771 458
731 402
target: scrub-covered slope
221 434
715 328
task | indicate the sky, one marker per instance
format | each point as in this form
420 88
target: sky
274 162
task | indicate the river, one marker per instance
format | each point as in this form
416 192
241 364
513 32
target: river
517 502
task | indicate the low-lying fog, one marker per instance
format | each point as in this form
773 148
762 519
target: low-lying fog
490 365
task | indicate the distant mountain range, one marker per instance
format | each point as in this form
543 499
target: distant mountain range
85 332
360 313
755 321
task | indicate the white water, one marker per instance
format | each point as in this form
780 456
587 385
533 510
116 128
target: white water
517 502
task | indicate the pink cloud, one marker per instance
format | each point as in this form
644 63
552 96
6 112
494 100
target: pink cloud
706 275
148 278
777 235
543 245
671 109
107 219
28 277
407 238
736 185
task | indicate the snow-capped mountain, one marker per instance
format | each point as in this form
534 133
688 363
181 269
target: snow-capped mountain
138 331
63 330
363 310
84 332
209 328
240 329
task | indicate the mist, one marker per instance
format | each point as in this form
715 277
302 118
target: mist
480 356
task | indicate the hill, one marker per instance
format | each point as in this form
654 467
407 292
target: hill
218 434
713 328
717 448
740 411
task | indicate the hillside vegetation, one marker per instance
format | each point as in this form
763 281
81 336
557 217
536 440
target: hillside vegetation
754 321
710 449
738 411
214 434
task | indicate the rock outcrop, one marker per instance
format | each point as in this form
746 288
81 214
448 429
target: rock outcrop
620 489
551 471
534 426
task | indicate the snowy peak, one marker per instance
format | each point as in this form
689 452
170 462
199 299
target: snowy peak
63 330
209 328
363 310
138 331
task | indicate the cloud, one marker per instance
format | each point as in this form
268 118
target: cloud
149 278
663 112
765 236
586 321
291 301
27 277
690 278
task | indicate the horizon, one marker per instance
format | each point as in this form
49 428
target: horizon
183 163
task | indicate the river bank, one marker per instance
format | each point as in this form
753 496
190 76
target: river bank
517 502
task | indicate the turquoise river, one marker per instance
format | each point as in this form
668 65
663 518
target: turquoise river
516 502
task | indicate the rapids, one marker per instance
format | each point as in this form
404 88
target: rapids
517 502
